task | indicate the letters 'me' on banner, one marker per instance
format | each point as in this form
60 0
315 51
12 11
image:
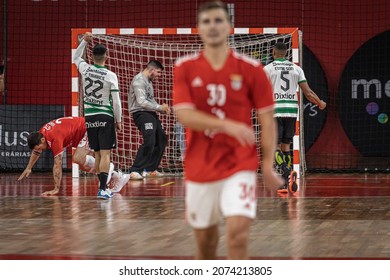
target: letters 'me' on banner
364 97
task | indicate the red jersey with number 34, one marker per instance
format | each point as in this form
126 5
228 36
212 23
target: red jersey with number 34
231 92
63 132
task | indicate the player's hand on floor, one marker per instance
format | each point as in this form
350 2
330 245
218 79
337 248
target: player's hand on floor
52 192
25 173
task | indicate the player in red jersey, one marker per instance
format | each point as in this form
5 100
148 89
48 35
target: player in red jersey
59 134
214 92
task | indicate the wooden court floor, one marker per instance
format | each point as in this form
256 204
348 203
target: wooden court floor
342 216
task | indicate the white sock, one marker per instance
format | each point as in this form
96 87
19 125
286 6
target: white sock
110 172
89 164
115 175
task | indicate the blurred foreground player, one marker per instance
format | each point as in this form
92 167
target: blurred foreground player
214 93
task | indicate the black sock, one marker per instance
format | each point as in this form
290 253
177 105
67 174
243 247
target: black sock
103 180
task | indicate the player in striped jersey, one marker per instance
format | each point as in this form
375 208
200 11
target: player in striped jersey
102 108
285 77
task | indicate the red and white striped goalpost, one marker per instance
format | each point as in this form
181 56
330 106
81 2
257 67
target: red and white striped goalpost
298 153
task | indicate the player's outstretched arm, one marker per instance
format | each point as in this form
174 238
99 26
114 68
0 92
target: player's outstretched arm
268 146
57 175
88 37
311 96
33 159
77 57
201 121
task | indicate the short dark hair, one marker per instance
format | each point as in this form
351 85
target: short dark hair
280 46
155 64
34 139
210 5
99 52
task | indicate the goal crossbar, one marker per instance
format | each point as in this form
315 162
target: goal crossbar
150 34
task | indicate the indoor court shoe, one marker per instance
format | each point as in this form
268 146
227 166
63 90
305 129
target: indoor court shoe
152 174
292 182
110 193
135 176
282 189
120 183
104 194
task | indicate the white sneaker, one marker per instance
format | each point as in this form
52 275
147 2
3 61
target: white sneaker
120 183
105 194
152 174
135 176
109 192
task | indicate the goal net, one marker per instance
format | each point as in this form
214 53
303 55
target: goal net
129 50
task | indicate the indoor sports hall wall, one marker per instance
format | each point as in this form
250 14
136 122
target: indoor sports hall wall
349 70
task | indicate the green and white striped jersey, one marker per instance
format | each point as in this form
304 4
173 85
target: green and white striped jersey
101 90
285 77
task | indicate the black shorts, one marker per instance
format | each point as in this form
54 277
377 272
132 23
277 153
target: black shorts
101 132
286 129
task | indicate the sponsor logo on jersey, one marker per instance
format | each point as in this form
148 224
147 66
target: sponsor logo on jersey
236 81
93 101
91 70
286 95
197 82
95 124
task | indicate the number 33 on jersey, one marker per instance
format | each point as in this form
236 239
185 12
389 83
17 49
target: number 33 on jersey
230 92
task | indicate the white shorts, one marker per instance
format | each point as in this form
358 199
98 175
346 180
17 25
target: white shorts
207 203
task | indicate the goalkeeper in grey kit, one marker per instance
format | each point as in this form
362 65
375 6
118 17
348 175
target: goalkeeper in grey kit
143 108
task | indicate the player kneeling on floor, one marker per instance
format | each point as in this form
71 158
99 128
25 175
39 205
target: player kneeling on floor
59 134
